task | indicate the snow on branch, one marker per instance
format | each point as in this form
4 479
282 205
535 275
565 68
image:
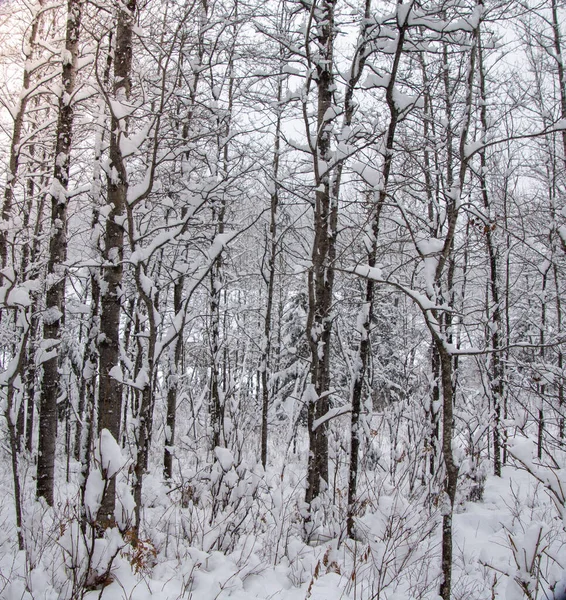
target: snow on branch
331 414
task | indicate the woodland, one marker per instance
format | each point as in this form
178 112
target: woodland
281 295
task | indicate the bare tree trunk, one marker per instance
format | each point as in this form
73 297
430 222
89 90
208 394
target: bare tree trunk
30 253
440 330
10 414
496 373
265 359
177 349
17 131
13 441
218 382
432 411
28 366
216 389
451 476
88 376
110 387
145 415
321 275
560 357
87 400
560 69
364 349
562 87
542 386
149 302
53 316
14 451
173 385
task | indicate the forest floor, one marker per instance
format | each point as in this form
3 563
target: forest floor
251 544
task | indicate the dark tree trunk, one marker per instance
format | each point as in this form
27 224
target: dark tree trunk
542 386
15 143
321 275
53 317
451 475
272 255
364 350
177 350
110 388
559 358
562 87
218 381
10 411
216 392
173 385
496 373
14 452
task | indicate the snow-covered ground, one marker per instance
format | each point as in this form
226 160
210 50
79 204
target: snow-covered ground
235 531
